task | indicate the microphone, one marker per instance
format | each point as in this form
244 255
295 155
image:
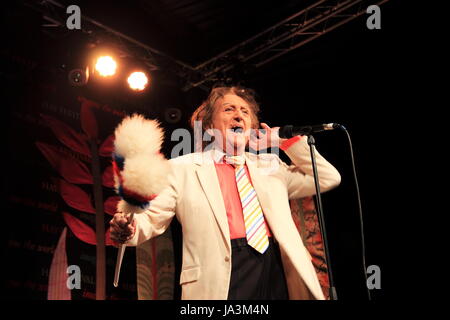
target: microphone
290 131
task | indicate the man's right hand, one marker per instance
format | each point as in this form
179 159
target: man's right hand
121 230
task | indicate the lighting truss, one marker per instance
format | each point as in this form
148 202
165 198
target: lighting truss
285 36
293 32
54 13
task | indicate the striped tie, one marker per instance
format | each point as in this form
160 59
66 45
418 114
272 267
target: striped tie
255 227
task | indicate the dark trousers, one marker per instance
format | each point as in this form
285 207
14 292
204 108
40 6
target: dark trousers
256 276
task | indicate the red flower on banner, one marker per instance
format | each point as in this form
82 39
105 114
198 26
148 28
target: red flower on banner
88 121
108 177
74 171
71 169
107 147
110 205
67 136
75 197
81 230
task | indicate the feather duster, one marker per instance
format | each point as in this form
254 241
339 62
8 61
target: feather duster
140 170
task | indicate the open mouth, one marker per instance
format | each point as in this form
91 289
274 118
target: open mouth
237 129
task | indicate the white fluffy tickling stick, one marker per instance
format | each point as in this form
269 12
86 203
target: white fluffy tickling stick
140 170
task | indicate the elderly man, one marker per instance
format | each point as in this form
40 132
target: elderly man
239 239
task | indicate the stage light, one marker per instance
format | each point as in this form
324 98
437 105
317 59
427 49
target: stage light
137 81
78 77
106 66
172 115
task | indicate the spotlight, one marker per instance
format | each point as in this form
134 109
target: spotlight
137 81
172 115
106 66
78 77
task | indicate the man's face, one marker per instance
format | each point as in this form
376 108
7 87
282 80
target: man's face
232 119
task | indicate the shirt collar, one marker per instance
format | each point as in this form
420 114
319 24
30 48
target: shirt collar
218 154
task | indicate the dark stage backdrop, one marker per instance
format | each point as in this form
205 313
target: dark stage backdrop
50 193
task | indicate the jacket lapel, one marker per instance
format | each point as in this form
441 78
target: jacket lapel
207 175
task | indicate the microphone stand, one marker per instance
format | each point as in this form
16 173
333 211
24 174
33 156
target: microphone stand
332 290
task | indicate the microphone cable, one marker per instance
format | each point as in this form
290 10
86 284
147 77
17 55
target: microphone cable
363 247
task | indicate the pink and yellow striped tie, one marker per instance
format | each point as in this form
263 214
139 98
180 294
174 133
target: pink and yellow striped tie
255 227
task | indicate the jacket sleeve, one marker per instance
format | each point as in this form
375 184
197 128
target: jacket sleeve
299 175
155 220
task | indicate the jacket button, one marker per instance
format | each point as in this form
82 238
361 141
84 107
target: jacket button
227 258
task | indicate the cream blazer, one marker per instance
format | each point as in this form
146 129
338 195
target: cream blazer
195 198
